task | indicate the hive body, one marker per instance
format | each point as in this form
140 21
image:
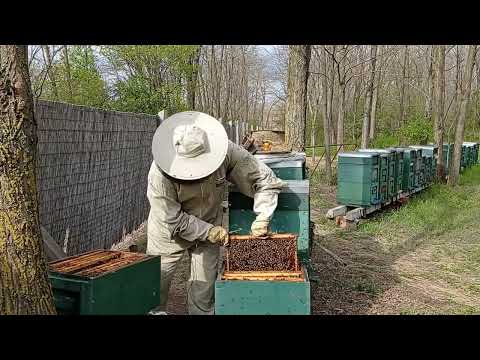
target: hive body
262 292
358 178
104 282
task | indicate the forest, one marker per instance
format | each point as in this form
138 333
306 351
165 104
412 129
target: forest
394 85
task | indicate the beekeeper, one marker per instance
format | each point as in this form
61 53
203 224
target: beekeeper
192 162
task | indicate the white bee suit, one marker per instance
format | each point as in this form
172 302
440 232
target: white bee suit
183 211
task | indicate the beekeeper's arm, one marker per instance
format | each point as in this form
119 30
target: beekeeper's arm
257 180
169 219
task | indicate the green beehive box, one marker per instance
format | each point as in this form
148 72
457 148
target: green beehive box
286 166
398 155
292 214
418 168
423 177
387 170
431 164
408 174
131 289
463 162
447 156
358 179
471 153
428 169
262 297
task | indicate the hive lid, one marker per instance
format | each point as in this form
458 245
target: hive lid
381 151
290 186
351 154
95 263
429 147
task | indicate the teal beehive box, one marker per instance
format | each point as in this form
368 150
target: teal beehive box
463 161
431 164
398 155
286 166
418 168
106 282
447 156
358 179
471 153
387 170
409 165
262 297
292 214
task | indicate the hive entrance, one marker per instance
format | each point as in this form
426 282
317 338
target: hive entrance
255 258
95 263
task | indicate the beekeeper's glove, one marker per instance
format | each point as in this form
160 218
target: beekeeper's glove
260 227
217 234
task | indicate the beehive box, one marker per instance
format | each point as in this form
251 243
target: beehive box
431 164
292 214
418 168
358 179
471 153
398 156
287 166
447 156
464 158
262 276
105 282
387 173
409 163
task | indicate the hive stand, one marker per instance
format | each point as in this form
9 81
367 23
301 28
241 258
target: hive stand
349 216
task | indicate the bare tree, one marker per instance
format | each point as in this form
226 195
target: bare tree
48 58
439 103
402 91
192 79
460 128
342 85
68 72
24 284
368 101
376 86
298 66
326 125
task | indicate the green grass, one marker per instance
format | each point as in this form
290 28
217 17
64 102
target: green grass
433 212
426 253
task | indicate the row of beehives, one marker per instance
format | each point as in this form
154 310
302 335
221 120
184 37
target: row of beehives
377 176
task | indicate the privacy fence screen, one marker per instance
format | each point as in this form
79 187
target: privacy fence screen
92 172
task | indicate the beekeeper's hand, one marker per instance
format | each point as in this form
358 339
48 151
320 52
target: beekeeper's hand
217 234
260 227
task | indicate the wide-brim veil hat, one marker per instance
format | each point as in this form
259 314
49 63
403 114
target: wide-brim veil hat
189 145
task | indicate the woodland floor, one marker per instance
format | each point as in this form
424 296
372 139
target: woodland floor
421 258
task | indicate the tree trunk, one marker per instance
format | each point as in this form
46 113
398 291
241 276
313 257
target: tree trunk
50 71
68 73
326 125
402 91
331 93
368 101
438 103
312 135
192 79
298 64
24 284
373 114
341 100
464 96
431 79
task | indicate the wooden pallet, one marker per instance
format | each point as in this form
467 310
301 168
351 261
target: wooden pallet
349 216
